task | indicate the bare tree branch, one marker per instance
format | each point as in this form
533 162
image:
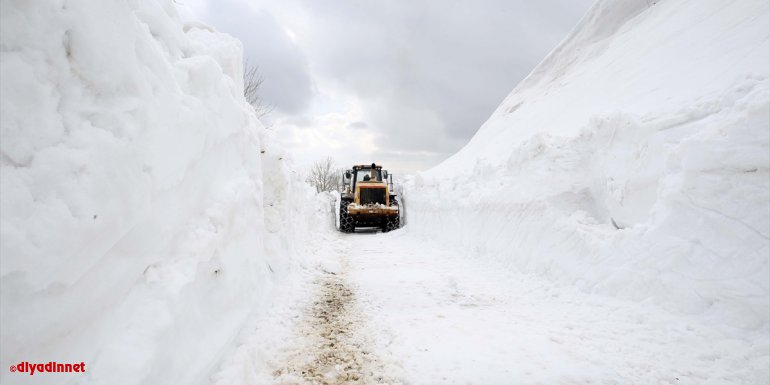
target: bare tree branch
324 175
252 82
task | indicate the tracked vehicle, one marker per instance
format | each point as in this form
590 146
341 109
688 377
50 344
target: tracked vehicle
367 199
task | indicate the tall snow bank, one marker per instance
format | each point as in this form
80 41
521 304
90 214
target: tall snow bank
142 205
634 161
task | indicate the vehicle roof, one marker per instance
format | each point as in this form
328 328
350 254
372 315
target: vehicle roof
366 167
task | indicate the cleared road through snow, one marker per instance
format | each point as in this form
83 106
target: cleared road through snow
390 308
447 320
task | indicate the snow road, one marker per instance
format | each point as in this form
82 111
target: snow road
391 308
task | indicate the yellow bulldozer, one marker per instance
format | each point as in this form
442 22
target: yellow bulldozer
367 199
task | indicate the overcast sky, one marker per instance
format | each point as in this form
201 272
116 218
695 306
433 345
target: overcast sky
403 83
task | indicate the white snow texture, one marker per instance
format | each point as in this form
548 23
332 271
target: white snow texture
143 206
632 162
146 215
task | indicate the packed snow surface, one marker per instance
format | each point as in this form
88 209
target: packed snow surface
397 309
143 206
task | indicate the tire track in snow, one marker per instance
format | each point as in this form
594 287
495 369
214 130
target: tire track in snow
337 349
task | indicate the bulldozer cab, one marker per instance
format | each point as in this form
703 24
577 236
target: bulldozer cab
368 175
364 173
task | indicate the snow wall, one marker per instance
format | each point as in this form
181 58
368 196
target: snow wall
144 210
633 161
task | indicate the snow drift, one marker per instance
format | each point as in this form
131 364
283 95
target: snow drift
142 204
634 161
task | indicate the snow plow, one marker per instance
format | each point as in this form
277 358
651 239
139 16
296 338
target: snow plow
367 199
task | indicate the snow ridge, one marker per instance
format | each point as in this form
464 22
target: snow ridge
142 201
633 162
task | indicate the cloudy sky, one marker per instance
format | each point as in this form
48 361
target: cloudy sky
403 83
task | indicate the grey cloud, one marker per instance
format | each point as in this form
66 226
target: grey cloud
358 125
430 73
426 73
287 85
400 162
299 121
